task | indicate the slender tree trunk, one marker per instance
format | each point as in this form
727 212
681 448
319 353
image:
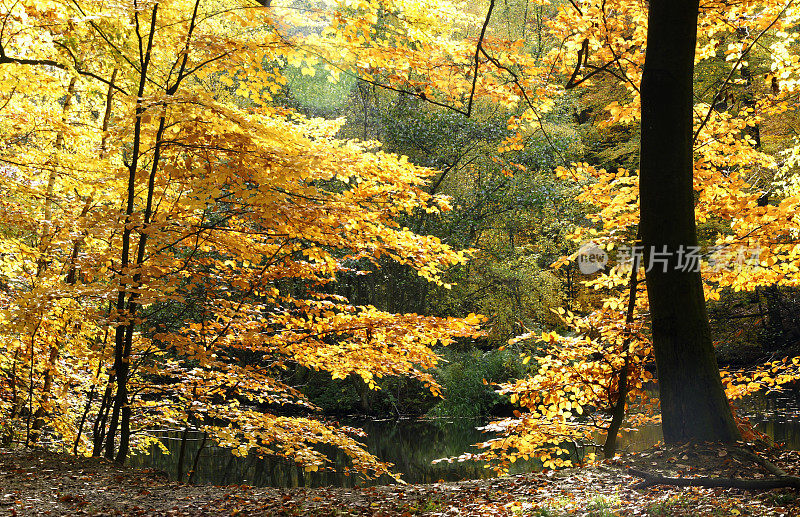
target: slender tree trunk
127 303
618 410
749 95
693 402
7 437
98 432
182 453
126 307
86 407
197 459
47 237
99 428
41 411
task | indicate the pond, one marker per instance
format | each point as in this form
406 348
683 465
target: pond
413 444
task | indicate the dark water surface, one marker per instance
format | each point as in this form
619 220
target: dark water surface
412 444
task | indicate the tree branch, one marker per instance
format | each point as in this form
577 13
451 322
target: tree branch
618 409
583 55
576 7
733 70
4 59
528 101
478 49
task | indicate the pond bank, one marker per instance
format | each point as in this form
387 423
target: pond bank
40 483
411 445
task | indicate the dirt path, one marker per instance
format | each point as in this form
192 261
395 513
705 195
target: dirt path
42 483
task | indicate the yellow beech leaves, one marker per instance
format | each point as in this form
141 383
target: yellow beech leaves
745 182
170 235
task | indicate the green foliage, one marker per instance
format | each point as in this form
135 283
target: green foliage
462 379
602 506
331 395
518 226
423 507
783 498
394 396
522 294
316 93
677 505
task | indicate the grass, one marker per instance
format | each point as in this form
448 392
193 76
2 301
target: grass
678 505
603 505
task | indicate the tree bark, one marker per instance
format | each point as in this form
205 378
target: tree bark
197 458
693 402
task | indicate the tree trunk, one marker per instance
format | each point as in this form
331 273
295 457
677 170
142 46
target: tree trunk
618 409
693 402
126 302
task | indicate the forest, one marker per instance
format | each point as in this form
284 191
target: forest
384 243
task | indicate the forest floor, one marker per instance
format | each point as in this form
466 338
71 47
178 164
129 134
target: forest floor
35 482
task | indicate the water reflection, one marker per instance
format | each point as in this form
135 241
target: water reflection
777 415
412 444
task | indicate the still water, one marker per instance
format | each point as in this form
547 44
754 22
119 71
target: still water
412 444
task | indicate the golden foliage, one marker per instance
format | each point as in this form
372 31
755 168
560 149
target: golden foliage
170 235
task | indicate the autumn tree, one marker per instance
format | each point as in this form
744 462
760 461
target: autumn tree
604 368
693 402
169 232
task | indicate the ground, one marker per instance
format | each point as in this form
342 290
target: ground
35 482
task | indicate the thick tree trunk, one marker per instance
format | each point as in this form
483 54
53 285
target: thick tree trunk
693 402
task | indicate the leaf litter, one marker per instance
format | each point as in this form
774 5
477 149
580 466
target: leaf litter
35 482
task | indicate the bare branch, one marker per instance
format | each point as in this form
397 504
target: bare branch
583 55
735 67
478 49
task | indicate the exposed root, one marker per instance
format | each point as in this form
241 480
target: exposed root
713 482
